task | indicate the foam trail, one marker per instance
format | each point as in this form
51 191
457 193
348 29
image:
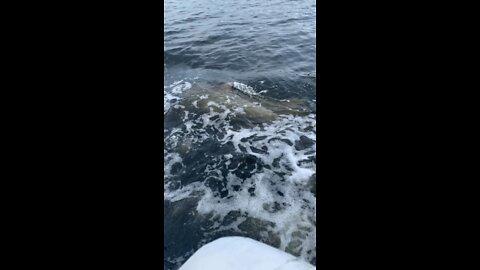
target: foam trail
253 179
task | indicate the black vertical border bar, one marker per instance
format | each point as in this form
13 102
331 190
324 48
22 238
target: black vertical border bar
162 116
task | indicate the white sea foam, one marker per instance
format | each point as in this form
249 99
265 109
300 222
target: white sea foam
275 189
244 88
171 94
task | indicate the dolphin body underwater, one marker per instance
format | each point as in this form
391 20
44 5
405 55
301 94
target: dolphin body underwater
247 107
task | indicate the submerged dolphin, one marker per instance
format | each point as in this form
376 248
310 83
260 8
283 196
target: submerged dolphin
241 100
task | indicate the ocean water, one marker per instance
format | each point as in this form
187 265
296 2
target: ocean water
239 124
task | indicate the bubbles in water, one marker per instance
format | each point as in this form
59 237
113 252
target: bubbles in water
246 178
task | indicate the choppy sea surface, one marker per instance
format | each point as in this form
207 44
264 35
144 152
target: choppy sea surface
239 124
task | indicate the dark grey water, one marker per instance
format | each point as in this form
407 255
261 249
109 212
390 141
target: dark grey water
240 124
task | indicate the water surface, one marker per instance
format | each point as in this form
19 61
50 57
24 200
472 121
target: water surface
240 124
